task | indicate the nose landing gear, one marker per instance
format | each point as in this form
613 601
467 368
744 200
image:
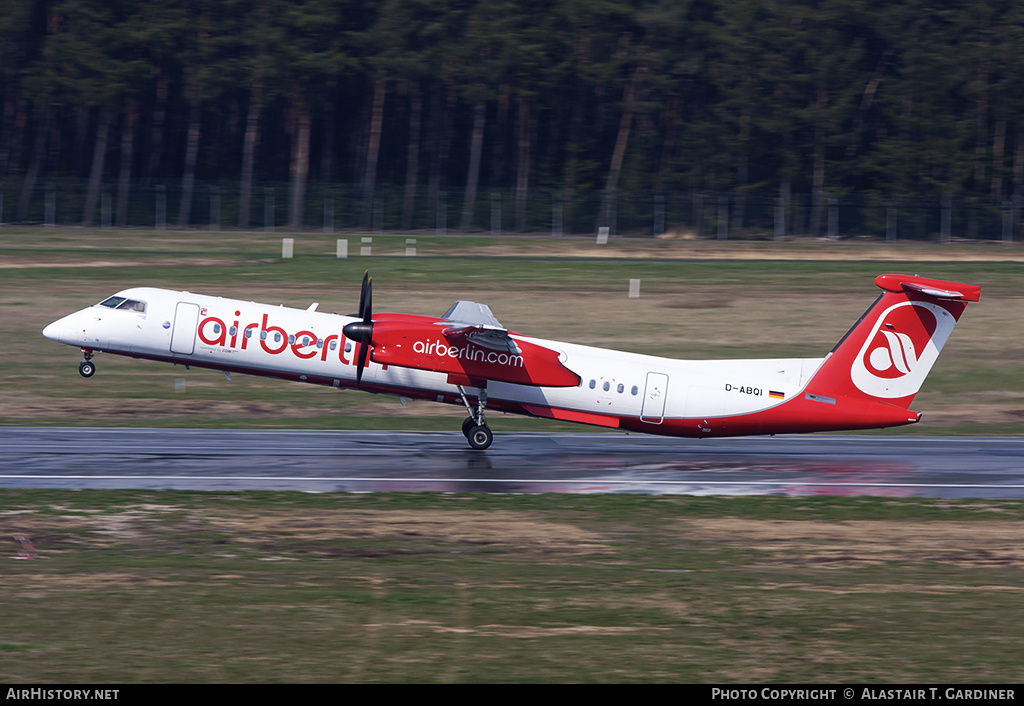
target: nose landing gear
87 368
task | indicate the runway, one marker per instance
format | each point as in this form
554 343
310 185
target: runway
368 461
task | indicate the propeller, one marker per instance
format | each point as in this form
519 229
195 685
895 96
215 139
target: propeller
362 331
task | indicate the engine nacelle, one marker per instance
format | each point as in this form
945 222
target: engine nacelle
423 345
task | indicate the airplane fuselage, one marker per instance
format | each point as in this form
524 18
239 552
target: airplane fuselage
435 359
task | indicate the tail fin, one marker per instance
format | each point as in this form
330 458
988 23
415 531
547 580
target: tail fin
888 353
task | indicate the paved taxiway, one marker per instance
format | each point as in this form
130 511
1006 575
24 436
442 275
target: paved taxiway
991 467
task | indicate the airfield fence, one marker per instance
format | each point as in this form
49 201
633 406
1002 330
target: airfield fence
340 208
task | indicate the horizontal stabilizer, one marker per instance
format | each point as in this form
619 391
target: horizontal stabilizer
940 289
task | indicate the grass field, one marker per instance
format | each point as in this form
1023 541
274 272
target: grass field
698 299
167 586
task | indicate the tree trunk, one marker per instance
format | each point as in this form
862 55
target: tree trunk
981 136
35 164
818 185
13 155
625 124
998 156
99 156
442 107
156 133
300 165
412 156
252 132
1018 166
473 177
327 144
6 128
497 166
523 164
742 173
373 150
188 181
127 157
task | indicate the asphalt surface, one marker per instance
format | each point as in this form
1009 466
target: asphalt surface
989 467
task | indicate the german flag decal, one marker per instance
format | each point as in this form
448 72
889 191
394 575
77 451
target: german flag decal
776 395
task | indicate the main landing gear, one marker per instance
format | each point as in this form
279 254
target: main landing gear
475 428
87 368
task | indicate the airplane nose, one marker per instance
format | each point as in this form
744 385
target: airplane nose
52 331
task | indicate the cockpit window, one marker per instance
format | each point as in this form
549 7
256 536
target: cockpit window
124 304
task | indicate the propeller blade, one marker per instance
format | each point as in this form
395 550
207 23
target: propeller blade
361 363
362 331
362 294
367 310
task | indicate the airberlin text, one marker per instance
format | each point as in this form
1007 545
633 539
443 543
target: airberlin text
771 694
471 353
272 339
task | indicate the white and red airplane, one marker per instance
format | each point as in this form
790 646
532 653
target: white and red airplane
466 357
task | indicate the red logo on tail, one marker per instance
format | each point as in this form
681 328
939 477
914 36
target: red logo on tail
899 341
900 349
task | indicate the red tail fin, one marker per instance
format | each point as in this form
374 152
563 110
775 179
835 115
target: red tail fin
887 354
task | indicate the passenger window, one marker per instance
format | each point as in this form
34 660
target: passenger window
593 384
634 390
621 388
607 386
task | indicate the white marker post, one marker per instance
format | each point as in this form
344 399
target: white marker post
364 249
342 248
410 247
602 235
634 289
287 248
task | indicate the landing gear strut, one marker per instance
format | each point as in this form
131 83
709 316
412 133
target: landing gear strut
87 368
475 428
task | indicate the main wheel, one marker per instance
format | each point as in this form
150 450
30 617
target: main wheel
467 424
480 437
86 368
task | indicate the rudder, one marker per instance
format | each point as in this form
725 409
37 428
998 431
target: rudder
888 353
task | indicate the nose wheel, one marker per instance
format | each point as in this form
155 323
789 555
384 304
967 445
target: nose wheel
87 368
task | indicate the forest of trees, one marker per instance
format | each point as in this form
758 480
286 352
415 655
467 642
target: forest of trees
581 111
